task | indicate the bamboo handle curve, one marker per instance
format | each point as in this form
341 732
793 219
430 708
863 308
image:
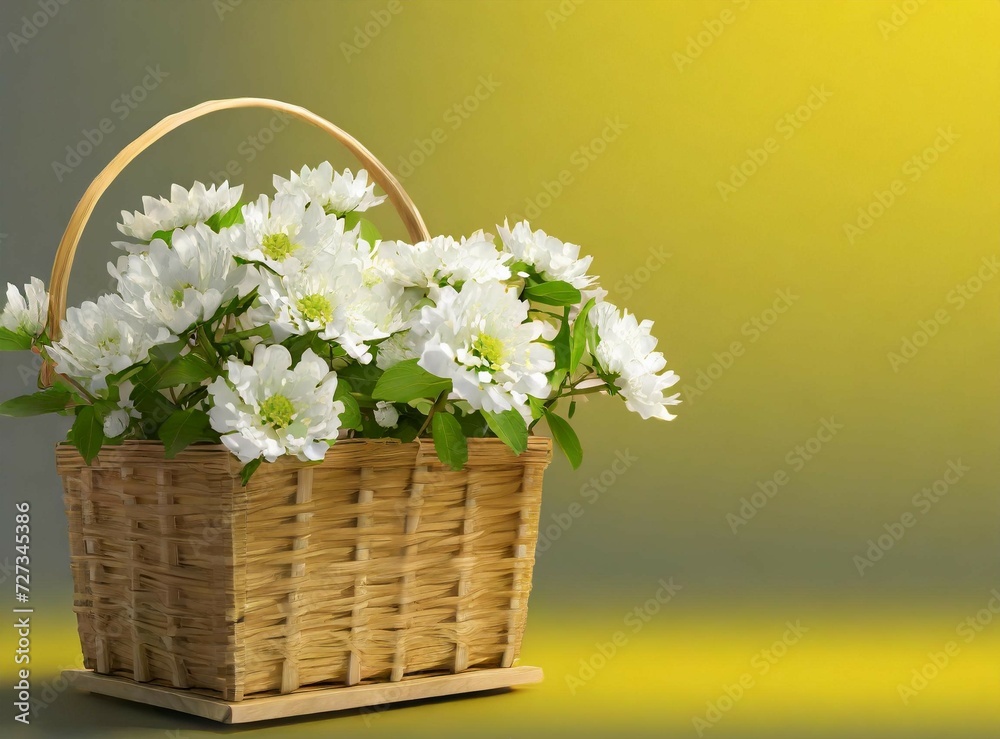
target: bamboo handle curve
59 281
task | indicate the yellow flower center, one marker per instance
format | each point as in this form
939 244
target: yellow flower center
490 349
278 247
277 411
316 307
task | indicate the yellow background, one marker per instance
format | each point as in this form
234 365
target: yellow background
694 89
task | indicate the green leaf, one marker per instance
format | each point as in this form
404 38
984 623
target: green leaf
226 219
368 230
182 429
407 381
566 438
449 441
561 344
163 236
362 377
553 293
52 400
88 432
473 425
537 407
185 370
13 341
351 417
248 469
572 408
579 345
509 428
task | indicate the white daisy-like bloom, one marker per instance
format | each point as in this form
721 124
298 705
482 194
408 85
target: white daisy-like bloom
184 208
386 415
26 314
269 409
287 235
551 258
397 348
625 350
183 283
102 338
334 298
445 261
480 338
336 192
119 419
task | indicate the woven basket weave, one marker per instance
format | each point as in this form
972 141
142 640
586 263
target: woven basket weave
376 564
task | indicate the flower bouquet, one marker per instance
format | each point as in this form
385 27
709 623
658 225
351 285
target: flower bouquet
304 456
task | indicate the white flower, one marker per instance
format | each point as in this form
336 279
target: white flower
26 315
334 298
185 283
119 419
102 338
336 192
479 338
397 348
625 351
184 208
551 258
442 260
269 409
386 415
288 236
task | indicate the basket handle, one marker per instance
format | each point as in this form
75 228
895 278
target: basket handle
59 281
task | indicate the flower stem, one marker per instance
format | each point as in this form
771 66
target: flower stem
438 405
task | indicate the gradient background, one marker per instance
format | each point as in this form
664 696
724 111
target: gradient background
704 265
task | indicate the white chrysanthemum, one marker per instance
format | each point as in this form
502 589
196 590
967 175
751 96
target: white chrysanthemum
397 348
288 236
625 351
386 415
119 419
185 283
269 409
551 258
444 261
335 192
479 338
26 315
184 208
334 298
102 338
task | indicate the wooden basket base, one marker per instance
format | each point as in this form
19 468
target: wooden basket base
318 700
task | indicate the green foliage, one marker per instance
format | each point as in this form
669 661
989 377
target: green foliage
225 219
182 429
407 381
351 417
88 432
368 230
553 293
51 400
184 370
510 428
579 345
248 469
449 441
565 438
12 341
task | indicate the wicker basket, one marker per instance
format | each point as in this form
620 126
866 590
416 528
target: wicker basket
376 565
